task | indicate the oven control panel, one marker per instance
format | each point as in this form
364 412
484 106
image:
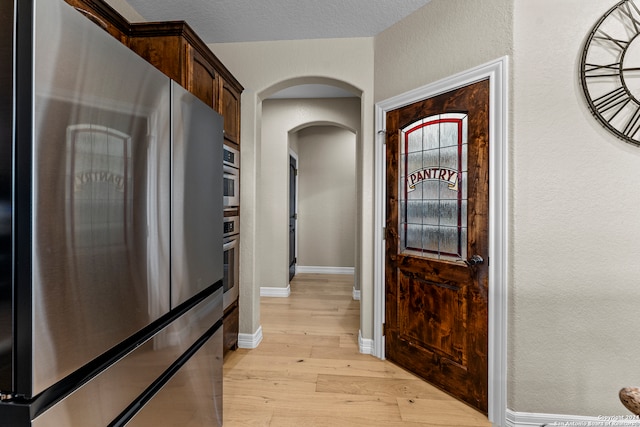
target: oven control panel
230 226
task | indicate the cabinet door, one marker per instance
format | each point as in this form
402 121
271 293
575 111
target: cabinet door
204 81
230 326
231 112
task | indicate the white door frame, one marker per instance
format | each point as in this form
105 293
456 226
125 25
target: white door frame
497 73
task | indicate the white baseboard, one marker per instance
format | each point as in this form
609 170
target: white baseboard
365 345
324 270
275 292
527 419
356 294
250 340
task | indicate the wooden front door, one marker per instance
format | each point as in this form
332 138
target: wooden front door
436 319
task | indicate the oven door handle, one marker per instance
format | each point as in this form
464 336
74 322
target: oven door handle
230 242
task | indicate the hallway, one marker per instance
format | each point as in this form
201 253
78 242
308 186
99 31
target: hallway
308 372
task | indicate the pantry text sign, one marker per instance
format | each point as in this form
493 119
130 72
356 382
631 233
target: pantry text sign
451 176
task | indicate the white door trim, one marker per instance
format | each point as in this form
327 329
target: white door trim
497 73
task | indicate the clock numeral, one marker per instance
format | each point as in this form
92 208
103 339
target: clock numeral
609 70
630 18
611 104
633 125
615 43
616 98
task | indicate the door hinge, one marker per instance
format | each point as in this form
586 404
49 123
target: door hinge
384 329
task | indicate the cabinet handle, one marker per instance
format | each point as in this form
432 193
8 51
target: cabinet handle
93 18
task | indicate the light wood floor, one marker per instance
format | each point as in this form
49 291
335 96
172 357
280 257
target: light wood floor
308 372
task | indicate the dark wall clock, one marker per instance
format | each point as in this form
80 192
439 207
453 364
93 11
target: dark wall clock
610 70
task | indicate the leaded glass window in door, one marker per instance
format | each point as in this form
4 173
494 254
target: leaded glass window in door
433 187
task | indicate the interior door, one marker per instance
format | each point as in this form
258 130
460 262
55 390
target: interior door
293 172
436 268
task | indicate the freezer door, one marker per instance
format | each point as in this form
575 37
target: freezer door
193 396
197 213
112 393
101 194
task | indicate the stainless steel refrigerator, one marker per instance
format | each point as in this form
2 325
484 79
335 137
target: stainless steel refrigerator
110 232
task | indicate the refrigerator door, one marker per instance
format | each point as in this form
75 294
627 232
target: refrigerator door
193 396
196 235
101 194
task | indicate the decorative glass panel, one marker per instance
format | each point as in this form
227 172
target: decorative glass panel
433 187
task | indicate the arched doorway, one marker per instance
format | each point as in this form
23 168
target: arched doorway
272 159
326 199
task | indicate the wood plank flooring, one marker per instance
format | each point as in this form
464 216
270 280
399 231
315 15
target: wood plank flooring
308 372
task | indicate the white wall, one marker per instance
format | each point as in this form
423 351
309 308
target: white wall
327 197
125 9
438 40
264 68
293 142
576 234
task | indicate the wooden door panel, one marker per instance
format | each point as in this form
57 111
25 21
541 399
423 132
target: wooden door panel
437 219
441 307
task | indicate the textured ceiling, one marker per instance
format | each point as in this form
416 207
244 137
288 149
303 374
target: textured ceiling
224 21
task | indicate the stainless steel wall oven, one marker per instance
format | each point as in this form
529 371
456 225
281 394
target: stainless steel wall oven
231 247
231 161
